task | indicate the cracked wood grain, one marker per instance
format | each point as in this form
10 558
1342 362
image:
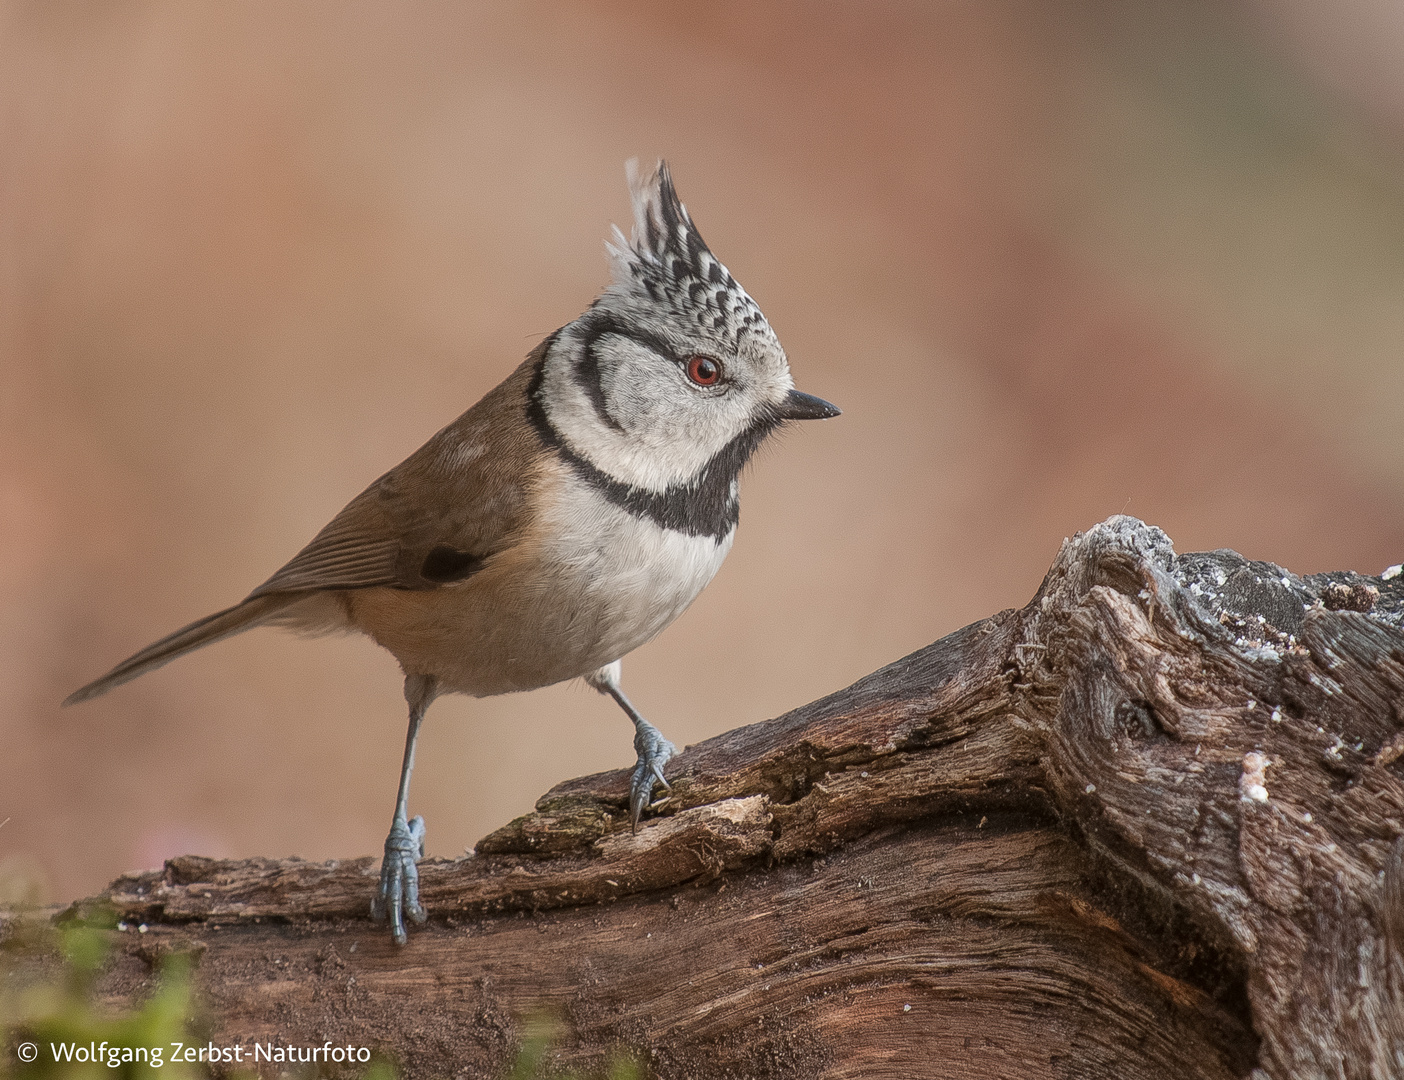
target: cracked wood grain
1148 825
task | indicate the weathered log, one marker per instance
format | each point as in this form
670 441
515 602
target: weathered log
1147 826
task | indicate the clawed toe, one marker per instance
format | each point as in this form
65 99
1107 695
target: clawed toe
398 894
653 749
654 752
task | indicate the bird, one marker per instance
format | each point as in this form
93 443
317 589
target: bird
561 522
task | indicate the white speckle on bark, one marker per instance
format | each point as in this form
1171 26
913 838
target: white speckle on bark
1252 784
1364 952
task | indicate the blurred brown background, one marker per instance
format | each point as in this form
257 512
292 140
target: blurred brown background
1055 260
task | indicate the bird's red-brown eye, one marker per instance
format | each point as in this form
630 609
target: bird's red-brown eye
703 370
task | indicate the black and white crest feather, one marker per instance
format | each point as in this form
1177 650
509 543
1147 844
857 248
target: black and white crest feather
667 261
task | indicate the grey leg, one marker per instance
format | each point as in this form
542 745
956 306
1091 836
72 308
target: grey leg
404 847
653 749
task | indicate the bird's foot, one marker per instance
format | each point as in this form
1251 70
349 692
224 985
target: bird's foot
654 752
399 877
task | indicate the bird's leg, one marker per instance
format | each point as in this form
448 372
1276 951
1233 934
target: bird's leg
404 847
653 749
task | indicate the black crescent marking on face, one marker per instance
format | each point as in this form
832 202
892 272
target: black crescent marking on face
587 377
705 505
598 324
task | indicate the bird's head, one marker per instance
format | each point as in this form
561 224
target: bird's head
673 376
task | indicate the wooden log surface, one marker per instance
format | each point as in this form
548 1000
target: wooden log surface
1147 826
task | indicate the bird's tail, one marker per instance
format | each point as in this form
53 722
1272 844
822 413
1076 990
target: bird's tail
211 628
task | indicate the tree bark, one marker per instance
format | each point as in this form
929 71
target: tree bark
1147 826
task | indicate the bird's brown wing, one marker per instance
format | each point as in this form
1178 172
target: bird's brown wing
436 517
360 547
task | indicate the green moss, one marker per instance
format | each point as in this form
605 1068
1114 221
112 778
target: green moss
533 1060
57 1023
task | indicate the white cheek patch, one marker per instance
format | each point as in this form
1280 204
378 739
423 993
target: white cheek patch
669 423
643 424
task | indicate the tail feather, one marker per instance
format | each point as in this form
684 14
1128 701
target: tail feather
206 631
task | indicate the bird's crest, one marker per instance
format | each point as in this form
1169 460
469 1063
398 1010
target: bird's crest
666 261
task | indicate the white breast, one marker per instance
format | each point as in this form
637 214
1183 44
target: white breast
588 584
626 577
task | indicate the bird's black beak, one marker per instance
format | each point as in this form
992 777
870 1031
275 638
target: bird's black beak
798 406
